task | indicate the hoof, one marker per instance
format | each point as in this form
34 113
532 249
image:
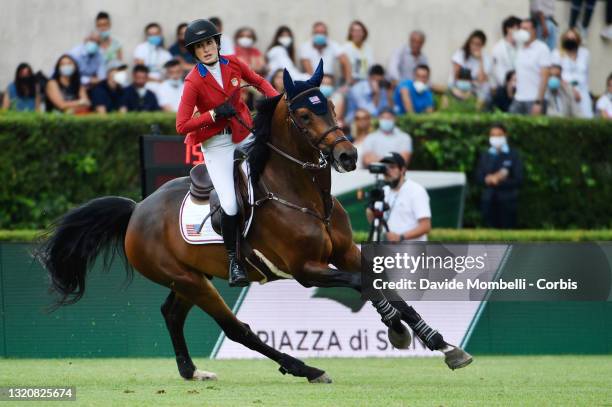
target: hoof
456 358
324 378
399 340
203 375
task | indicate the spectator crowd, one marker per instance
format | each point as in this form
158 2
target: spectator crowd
533 69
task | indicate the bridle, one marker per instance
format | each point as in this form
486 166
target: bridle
324 188
307 133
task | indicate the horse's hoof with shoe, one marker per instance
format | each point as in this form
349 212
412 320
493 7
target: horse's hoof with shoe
202 375
456 358
324 378
399 340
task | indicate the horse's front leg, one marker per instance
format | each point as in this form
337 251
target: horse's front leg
392 312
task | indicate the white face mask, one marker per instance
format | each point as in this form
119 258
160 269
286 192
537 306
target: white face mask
521 36
175 83
245 42
121 77
285 41
497 141
419 86
66 70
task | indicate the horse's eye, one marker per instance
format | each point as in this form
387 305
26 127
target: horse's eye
304 117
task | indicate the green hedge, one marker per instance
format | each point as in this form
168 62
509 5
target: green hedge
567 164
436 235
49 163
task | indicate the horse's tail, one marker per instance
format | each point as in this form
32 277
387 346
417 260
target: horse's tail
76 239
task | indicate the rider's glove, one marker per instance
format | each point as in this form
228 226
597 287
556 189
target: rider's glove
225 110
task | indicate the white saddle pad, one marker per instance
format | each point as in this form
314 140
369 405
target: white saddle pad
193 212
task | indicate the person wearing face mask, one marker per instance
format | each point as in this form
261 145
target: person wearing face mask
170 90
532 69
210 89
373 95
388 138
64 92
179 52
559 96
107 95
472 57
500 172
90 60
604 103
409 214
245 39
414 96
329 90
22 95
504 51
321 47
281 55
151 53
574 60
109 46
136 97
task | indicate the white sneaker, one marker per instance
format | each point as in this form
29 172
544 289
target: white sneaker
606 33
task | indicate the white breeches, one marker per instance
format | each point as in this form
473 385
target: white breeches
219 157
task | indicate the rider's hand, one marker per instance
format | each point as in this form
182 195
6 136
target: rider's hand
225 110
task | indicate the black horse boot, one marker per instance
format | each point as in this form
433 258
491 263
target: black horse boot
230 230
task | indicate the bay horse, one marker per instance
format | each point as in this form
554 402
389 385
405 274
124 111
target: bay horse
298 226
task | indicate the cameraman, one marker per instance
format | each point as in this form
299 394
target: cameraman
372 94
409 215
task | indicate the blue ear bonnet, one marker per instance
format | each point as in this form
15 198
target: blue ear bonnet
299 95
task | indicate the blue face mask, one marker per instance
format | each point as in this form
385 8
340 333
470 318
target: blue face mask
319 39
386 125
91 47
326 90
554 83
155 40
104 34
463 85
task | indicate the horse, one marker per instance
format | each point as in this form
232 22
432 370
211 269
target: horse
298 227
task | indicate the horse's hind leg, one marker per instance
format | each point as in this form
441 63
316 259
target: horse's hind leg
202 293
175 310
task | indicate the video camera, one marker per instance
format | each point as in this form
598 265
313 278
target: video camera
376 202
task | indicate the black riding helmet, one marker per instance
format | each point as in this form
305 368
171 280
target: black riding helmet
199 30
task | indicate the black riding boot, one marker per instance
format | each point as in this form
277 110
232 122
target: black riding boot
230 230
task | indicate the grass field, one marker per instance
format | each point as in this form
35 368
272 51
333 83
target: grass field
489 381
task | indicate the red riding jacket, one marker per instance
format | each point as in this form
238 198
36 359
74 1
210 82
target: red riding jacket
203 92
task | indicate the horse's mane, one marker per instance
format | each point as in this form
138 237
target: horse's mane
258 150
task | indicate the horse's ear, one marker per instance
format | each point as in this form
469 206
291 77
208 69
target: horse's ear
288 83
317 77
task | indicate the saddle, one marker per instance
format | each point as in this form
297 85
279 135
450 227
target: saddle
202 189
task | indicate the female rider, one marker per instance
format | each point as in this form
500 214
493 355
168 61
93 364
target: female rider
208 88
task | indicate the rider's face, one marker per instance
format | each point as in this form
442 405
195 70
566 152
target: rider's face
207 51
